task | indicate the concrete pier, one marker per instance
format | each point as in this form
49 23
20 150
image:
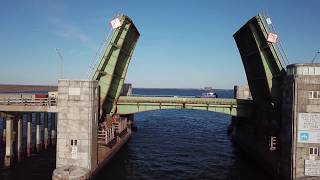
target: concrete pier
9 140
71 172
46 132
77 129
38 135
53 128
242 92
29 134
19 137
4 130
14 127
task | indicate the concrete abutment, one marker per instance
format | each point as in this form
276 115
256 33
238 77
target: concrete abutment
76 129
285 141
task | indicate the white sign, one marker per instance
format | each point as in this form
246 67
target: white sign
74 91
312 167
308 128
272 38
308 121
74 152
115 23
269 21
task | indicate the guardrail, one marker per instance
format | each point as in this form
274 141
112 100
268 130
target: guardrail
29 101
176 96
107 135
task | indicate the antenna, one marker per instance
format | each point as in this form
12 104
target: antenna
61 63
315 55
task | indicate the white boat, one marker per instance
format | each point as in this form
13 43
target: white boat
210 94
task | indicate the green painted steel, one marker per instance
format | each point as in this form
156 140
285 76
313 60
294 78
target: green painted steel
233 107
112 68
261 62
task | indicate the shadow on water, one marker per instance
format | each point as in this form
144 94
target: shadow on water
39 166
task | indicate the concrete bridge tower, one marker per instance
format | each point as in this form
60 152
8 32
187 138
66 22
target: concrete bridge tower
300 125
284 132
82 104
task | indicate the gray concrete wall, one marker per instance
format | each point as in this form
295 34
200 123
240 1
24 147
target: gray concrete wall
77 123
302 104
242 92
290 157
253 136
126 90
296 160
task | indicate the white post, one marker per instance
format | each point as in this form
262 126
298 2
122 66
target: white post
29 134
4 131
53 128
38 138
46 133
9 143
19 141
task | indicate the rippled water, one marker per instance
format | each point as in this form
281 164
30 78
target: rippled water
181 144
169 144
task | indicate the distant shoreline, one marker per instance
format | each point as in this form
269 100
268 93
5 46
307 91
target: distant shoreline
24 87
180 88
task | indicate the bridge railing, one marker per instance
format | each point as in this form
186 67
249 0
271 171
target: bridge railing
106 135
175 96
29 101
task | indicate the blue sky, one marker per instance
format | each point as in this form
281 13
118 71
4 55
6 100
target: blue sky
183 43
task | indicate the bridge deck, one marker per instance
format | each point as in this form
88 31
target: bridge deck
233 107
27 105
133 104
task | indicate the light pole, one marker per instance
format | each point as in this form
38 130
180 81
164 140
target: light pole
61 63
315 55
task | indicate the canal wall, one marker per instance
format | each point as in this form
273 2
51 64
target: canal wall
286 140
83 145
301 122
77 128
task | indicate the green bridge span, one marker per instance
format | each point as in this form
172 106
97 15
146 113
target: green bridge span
134 104
262 65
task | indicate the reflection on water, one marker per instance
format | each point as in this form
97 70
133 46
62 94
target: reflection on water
181 144
39 166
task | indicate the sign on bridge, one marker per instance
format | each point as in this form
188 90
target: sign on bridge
309 127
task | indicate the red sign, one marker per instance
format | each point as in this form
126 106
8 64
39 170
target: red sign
272 38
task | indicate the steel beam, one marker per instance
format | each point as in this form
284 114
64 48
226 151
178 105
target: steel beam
233 107
112 68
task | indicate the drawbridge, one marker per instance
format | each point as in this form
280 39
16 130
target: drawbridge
112 68
261 62
111 72
262 65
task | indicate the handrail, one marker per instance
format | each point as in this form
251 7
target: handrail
29 101
107 135
142 95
